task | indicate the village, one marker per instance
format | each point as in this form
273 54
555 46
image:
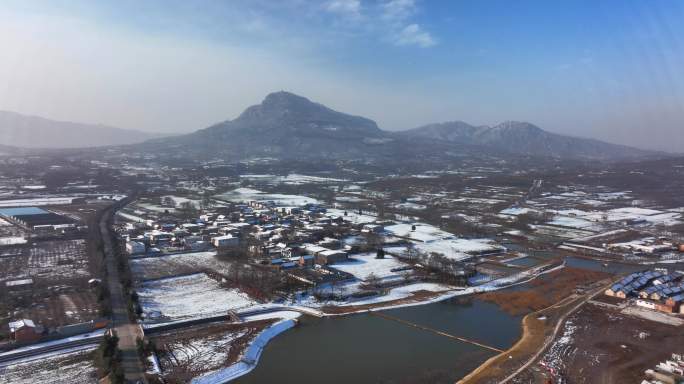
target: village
213 268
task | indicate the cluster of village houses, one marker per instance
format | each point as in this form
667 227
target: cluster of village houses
262 222
652 289
287 238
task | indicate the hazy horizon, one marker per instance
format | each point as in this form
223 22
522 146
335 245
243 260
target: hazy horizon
607 71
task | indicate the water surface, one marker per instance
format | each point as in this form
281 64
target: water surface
368 349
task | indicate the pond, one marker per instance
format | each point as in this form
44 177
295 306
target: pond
366 348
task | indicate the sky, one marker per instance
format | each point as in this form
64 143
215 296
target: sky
610 69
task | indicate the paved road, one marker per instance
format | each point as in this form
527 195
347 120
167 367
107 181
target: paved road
125 329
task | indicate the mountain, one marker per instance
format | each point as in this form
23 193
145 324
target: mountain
524 139
36 132
288 126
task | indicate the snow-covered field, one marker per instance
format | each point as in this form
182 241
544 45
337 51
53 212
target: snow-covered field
202 354
352 216
12 240
410 206
250 357
188 297
129 217
153 267
454 249
291 179
457 249
71 368
57 259
515 211
363 265
576 218
400 293
249 194
423 232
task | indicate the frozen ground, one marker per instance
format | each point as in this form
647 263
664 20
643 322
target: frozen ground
71 368
188 297
400 293
423 232
410 206
249 194
129 217
515 211
457 249
292 179
250 357
12 240
648 314
363 265
352 216
160 266
201 354
48 259
452 248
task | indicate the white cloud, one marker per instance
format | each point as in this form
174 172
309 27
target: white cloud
413 34
345 7
398 10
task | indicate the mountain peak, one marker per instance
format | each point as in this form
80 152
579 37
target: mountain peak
519 126
278 105
284 98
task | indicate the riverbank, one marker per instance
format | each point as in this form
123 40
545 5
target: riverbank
251 355
539 329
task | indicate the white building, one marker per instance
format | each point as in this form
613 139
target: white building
225 241
135 247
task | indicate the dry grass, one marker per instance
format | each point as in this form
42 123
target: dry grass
543 291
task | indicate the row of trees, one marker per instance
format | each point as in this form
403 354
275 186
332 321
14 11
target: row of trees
108 359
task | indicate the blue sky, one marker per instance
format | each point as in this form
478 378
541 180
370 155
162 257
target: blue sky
604 69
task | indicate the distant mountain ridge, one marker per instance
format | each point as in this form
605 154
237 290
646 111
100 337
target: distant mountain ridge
522 138
288 126
37 132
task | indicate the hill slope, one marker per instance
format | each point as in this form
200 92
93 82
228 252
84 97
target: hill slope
36 132
524 139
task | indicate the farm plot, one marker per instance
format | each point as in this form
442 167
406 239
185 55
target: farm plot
53 309
418 232
10 233
364 265
74 367
188 297
182 263
60 259
248 194
194 352
455 249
